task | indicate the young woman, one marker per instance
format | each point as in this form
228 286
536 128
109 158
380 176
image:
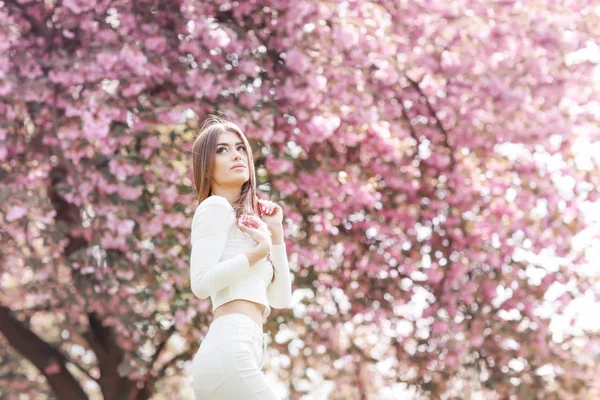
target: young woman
239 259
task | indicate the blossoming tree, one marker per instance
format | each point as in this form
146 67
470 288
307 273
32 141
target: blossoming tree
425 156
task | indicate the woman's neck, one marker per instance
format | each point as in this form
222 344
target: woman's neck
232 195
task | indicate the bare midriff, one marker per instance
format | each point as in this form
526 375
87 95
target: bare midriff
249 308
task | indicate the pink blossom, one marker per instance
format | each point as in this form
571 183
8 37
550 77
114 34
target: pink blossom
134 58
278 166
434 275
296 61
124 228
79 6
346 37
321 127
169 195
249 100
156 44
133 89
129 193
489 291
107 59
249 68
477 341
113 242
95 126
15 212
180 319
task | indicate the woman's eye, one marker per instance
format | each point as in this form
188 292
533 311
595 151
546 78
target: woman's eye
220 149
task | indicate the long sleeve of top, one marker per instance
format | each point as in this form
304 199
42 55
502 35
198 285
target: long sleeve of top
212 221
279 292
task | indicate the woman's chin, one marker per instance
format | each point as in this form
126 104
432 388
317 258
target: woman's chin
237 181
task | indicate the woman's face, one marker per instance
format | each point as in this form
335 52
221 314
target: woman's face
231 162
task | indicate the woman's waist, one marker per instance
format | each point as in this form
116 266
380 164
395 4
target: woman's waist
239 308
254 295
247 304
254 290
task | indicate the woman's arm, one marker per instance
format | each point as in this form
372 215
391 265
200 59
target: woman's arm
213 219
279 292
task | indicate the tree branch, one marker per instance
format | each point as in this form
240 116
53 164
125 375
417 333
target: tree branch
79 367
169 363
42 355
161 346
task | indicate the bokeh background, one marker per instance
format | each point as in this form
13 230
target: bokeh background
437 162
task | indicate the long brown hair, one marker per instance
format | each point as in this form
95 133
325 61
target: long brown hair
204 151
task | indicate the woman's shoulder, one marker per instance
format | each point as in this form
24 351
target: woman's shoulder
214 202
213 209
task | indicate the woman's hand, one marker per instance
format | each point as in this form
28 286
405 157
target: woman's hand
271 212
272 215
257 230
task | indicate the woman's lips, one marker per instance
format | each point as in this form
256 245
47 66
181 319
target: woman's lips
239 167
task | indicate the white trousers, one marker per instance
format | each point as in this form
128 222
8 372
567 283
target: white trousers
228 363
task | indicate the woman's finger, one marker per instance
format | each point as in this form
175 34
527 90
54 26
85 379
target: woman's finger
252 218
267 206
263 207
246 228
246 221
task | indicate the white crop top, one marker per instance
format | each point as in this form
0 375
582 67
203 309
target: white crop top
219 269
